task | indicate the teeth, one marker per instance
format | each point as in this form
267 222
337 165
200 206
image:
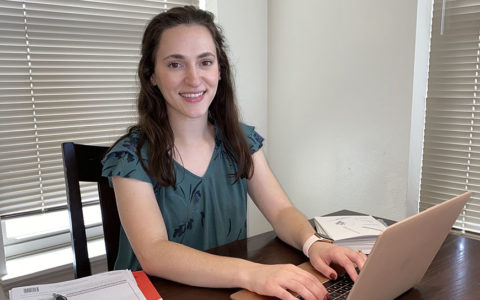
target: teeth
192 95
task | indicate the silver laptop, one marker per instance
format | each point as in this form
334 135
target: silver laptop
400 257
405 250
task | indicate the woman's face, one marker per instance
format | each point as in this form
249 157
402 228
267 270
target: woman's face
187 71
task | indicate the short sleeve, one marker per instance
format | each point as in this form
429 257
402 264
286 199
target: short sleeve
122 160
255 140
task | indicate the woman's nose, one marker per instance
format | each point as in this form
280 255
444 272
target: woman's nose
192 76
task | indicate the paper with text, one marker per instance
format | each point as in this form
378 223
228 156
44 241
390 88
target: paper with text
117 285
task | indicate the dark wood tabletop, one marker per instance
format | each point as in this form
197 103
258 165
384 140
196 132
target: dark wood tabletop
453 274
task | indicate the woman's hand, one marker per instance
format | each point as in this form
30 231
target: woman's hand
280 280
322 255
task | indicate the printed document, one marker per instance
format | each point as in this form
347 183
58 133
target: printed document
355 232
119 285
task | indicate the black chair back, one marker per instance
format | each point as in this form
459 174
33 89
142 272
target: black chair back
83 163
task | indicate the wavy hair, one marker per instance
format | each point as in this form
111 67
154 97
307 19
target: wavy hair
153 123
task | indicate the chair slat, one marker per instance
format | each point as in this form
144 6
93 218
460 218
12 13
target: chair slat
83 163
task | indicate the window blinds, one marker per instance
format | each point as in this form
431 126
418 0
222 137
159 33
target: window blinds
451 161
67 73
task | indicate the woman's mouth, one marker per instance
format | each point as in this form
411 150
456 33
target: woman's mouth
193 96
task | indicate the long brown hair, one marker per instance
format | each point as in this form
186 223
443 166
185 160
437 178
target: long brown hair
153 123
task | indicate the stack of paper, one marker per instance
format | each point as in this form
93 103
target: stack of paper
355 232
119 284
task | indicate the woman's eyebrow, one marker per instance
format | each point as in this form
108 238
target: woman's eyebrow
174 56
180 56
206 54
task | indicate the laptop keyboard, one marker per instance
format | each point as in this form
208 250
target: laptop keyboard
338 288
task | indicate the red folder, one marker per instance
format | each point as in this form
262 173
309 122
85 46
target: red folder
146 286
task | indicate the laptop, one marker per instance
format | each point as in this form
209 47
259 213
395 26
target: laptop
402 253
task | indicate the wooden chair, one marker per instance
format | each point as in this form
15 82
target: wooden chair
83 163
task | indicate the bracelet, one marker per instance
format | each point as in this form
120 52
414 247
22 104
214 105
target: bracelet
314 238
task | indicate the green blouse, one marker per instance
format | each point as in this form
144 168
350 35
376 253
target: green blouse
202 212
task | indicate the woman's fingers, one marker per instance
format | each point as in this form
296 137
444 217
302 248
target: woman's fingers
282 293
358 258
303 283
325 254
281 280
324 268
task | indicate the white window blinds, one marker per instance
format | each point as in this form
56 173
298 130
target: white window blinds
67 73
451 162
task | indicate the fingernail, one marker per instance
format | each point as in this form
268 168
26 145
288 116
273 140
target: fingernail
333 276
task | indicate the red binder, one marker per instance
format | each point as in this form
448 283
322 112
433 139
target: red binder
146 286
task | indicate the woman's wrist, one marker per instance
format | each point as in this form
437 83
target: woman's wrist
246 273
315 238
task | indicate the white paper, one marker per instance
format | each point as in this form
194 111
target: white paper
345 227
355 232
117 285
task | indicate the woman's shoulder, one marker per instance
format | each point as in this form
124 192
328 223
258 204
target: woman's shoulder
254 139
128 142
124 148
123 159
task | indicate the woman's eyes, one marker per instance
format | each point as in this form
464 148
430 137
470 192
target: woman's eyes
203 63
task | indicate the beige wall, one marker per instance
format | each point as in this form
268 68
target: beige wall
245 26
340 100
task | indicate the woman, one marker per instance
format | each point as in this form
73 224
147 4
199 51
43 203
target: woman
181 175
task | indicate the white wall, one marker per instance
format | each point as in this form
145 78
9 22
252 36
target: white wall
340 103
245 28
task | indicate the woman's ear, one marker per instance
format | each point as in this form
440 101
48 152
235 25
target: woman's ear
152 80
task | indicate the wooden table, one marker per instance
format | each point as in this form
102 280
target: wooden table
453 274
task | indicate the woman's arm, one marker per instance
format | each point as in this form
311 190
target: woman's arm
143 223
291 226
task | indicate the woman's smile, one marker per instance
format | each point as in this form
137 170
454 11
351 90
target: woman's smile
193 96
